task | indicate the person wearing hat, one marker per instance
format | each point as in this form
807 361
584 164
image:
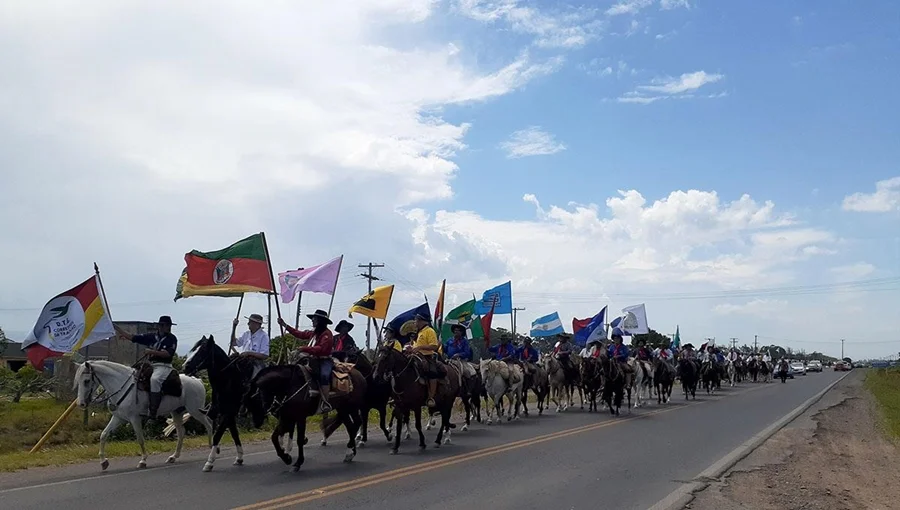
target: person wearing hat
253 345
160 352
458 347
321 344
343 343
504 349
391 338
528 356
619 351
643 352
426 346
562 351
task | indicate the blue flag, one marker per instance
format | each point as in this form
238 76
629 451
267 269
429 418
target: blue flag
501 298
595 330
397 323
547 325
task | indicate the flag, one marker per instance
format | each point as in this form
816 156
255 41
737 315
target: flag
463 314
321 278
241 267
547 325
374 304
500 297
615 323
594 330
72 320
439 310
486 327
577 324
676 340
634 320
408 318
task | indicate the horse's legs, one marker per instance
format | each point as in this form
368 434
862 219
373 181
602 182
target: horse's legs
178 421
280 430
113 424
382 415
301 432
327 431
418 414
217 438
139 435
399 419
352 427
236 437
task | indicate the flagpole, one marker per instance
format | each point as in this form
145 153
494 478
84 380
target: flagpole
272 277
334 290
297 318
237 317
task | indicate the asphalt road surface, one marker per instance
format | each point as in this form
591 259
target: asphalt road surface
571 460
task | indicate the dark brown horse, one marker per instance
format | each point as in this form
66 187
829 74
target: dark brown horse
405 376
283 391
591 381
613 383
377 395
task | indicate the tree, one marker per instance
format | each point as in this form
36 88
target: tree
4 342
24 382
653 339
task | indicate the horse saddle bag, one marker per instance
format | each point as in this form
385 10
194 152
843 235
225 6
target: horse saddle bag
341 382
171 386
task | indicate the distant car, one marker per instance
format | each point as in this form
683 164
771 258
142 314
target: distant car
798 368
840 366
814 366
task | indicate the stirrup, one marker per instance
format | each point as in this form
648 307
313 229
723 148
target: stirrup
430 403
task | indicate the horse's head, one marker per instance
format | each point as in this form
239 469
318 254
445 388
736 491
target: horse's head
386 360
85 383
202 356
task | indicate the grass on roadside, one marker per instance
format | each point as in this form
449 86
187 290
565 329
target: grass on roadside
884 384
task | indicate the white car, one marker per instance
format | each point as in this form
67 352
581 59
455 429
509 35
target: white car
814 366
798 368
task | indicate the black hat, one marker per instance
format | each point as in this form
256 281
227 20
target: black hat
422 316
564 335
454 327
320 314
166 320
688 346
344 324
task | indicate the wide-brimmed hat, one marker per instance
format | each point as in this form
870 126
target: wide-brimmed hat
422 317
687 346
255 317
454 327
165 320
616 332
564 335
344 324
320 314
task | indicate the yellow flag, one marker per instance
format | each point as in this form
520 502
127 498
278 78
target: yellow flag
374 304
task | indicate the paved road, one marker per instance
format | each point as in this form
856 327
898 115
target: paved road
569 460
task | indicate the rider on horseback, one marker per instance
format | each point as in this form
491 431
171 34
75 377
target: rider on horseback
643 352
253 345
321 343
426 346
528 356
619 351
458 347
563 353
160 351
344 345
504 350
663 353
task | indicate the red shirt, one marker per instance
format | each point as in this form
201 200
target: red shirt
321 345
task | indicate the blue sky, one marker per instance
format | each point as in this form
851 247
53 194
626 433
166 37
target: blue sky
591 153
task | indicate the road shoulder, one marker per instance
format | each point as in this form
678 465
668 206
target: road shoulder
833 457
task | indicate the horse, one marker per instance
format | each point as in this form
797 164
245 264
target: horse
709 374
127 401
688 372
229 385
540 385
403 373
731 372
470 392
591 381
497 385
664 378
753 368
284 393
765 369
377 395
613 383
560 385
643 380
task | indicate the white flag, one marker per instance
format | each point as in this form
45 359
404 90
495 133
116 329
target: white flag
634 320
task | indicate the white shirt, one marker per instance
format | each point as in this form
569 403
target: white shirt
256 342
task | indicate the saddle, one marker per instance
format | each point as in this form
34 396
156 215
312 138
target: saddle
170 387
341 382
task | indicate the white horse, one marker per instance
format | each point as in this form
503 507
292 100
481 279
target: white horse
127 403
732 374
557 377
498 386
643 380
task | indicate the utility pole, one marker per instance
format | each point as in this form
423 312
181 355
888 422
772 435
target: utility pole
755 348
514 310
368 276
842 348
733 342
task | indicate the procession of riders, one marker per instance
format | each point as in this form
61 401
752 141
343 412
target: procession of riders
413 370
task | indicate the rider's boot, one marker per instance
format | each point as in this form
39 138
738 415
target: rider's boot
432 390
155 400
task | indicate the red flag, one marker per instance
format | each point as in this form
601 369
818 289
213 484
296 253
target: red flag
439 309
486 325
578 324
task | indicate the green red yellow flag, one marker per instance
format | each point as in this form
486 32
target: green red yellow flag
242 267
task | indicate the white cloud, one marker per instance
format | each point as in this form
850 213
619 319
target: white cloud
886 198
757 307
636 6
680 87
531 141
675 4
852 272
572 29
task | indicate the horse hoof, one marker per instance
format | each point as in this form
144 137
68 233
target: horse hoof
437 444
324 442
218 451
305 441
447 441
360 444
142 465
295 469
207 467
349 456
393 451
171 460
104 465
238 462
286 459
421 447
465 428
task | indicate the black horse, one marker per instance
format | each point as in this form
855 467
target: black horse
688 372
709 374
284 393
591 381
664 379
613 383
229 379
377 395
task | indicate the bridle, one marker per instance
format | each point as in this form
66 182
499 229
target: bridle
89 397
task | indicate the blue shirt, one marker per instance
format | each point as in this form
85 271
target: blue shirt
503 351
462 349
529 354
621 354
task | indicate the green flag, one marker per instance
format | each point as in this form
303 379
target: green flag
463 314
676 342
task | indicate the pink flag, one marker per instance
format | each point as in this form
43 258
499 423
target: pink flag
321 278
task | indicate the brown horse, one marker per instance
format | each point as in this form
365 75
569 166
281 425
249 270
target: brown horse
377 395
591 381
283 391
410 392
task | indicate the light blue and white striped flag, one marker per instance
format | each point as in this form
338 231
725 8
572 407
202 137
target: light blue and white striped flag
547 325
